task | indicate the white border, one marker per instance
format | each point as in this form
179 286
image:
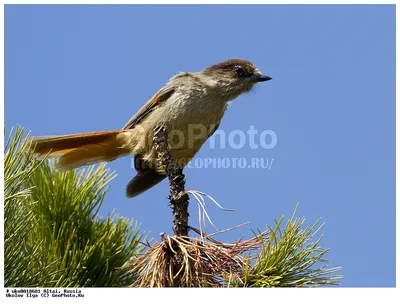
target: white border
197 2
325 295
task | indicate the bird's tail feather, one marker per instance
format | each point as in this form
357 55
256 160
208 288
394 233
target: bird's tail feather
82 149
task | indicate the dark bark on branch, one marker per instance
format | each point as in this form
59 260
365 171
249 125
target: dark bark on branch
178 198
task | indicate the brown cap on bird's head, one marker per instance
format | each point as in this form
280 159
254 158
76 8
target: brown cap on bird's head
234 77
237 68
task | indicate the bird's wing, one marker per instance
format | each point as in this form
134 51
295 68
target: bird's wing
162 95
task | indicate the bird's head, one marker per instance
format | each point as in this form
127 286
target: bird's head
235 76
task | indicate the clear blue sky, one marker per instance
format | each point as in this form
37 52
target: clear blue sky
331 102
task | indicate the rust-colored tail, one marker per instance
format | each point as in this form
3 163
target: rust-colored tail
82 149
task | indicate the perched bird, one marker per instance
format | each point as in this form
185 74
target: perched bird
190 107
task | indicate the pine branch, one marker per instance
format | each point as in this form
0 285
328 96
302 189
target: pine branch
291 256
53 235
178 198
179 201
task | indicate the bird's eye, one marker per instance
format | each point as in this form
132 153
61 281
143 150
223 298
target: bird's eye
240 71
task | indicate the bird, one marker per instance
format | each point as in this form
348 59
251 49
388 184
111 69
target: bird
190 108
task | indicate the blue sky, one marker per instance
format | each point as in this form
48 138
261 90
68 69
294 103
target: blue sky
331 103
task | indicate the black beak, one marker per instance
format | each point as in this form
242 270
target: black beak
261 78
